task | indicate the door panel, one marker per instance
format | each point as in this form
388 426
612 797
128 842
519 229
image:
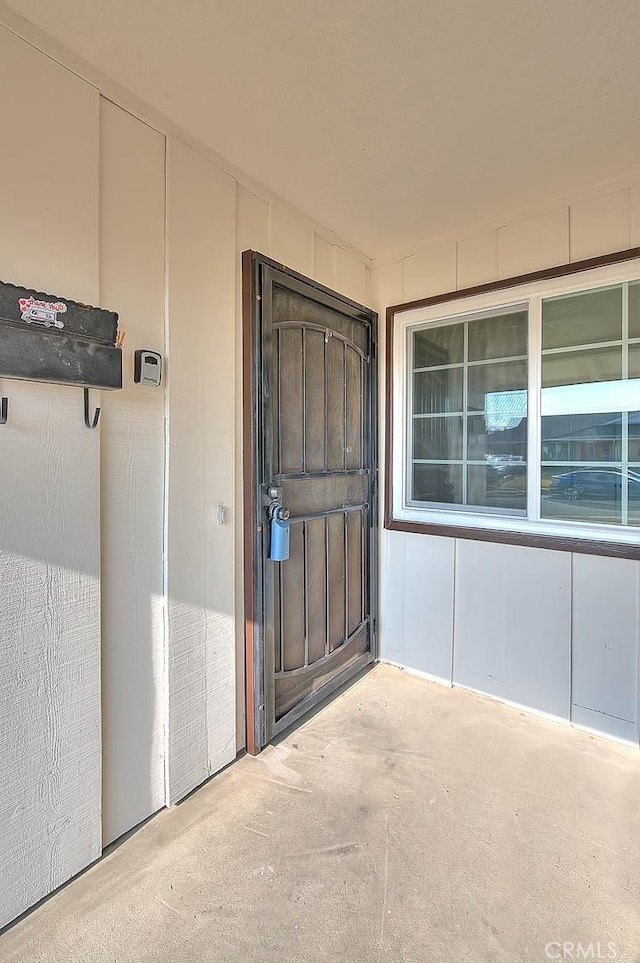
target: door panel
310 384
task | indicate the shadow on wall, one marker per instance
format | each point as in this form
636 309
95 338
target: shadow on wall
53 628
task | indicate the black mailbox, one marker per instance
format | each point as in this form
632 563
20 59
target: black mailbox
47 338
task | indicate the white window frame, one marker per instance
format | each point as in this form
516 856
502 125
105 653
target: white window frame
405 321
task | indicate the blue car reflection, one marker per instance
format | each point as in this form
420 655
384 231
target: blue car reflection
605 483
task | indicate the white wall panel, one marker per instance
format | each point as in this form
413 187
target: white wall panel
132 222
513 624
50 756
477 259
349 275
292 239
200 564
431 271
252 220
393 564
605 645
600 226
417 603
323 261
386 286
534 243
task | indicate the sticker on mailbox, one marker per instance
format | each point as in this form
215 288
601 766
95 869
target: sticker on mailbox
42 312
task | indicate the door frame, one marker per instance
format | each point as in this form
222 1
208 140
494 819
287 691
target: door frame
258 274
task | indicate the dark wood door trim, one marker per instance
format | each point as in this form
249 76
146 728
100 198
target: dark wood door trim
249 462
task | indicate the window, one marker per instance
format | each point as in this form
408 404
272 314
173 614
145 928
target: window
469 413
519 409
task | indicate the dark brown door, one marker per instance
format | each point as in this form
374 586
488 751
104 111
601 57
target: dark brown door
310 449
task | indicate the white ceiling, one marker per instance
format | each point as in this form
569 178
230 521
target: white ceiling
387 120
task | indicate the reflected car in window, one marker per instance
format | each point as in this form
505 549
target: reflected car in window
595 483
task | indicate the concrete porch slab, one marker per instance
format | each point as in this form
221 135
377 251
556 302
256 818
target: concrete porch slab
404 821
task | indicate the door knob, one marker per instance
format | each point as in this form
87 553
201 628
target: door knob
274 500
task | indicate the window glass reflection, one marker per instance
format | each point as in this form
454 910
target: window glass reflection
437 438
436 346
500 336
500 484
437 483
467 437
633 495
633 422
594 437
508 379
437 392
587 396
479 456
634 360
578 367
634 310
589 318
584 493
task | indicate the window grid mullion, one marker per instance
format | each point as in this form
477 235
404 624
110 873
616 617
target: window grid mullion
573 348
465 405
534 420
410 423
507 359
625 414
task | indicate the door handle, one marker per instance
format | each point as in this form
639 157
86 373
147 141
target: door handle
274 501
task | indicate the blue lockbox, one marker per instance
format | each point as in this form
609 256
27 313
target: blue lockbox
280 536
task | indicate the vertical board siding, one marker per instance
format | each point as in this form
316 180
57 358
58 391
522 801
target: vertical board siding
50 757
292 239
605 645
429 579
533 243
200 563
600 225
417 602
323 261
49 171
432 270
252 225
513 624
477 260
132 222
349 275
386 288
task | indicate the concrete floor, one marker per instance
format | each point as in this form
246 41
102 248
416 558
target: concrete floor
403 822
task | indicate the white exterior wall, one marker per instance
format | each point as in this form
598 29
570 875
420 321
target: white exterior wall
201 288
555 632
121 632
132 268
50 756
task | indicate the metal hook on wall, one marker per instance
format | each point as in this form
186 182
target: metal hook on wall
4 408
96 417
